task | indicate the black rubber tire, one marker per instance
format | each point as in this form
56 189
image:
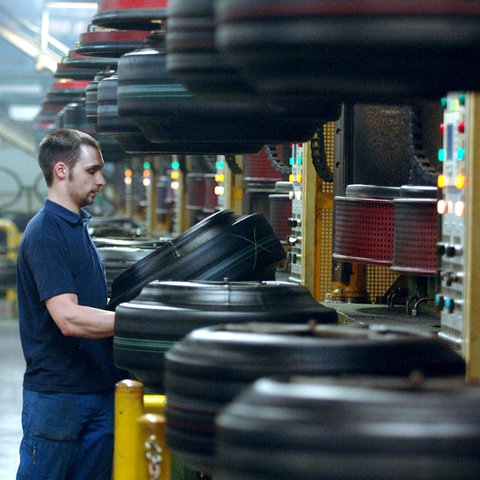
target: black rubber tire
165 312
360 51
194 59
350 429
118 259
167 111
210 366
192 56
222 245
131 137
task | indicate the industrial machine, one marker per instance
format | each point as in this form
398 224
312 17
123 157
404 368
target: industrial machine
333 120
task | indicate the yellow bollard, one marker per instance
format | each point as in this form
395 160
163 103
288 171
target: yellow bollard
154 403
127 447
156 454
13 237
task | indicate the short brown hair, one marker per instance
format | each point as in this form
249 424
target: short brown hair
62 145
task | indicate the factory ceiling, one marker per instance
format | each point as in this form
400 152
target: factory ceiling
34 35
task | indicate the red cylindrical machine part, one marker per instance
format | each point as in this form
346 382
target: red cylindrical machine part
109 36
60 94
69 85
415 236
280 212
130 14
364 224
364 230
195 190
110 43
104 5
211 199
257 167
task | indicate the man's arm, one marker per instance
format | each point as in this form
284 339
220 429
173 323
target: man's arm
76 320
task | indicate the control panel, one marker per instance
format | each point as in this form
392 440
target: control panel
454 156
295 222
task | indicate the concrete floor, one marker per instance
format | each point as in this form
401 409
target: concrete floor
11 374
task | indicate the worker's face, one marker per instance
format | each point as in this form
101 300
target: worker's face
86 177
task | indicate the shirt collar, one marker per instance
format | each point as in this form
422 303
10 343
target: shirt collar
67 214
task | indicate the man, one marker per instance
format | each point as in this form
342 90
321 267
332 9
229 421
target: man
65 331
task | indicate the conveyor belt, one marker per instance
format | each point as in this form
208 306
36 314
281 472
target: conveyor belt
369 314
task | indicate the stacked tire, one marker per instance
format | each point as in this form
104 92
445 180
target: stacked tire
352 428
223 245
211 366
361 51
147 327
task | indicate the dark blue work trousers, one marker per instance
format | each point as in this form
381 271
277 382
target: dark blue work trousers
66 436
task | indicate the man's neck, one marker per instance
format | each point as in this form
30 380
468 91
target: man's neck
63 200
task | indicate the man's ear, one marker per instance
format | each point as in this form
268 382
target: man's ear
61 170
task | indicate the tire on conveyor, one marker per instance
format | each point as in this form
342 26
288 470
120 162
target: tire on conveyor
165 312
210 366
118 259
351 428
223 245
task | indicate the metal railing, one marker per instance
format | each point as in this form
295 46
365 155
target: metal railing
34 41
17 137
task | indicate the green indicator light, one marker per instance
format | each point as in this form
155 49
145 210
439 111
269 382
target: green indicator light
175 164
146 165
441 155
443 102
219 165
461 154
461 99
299 160
291 161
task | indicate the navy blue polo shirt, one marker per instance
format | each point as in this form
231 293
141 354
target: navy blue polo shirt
56 256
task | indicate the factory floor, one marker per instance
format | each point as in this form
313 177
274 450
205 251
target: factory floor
12 366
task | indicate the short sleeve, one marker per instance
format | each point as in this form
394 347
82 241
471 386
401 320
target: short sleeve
47 258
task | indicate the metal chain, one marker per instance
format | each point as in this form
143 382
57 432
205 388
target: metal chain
154 457
233 165
319 156
276 160
423 170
